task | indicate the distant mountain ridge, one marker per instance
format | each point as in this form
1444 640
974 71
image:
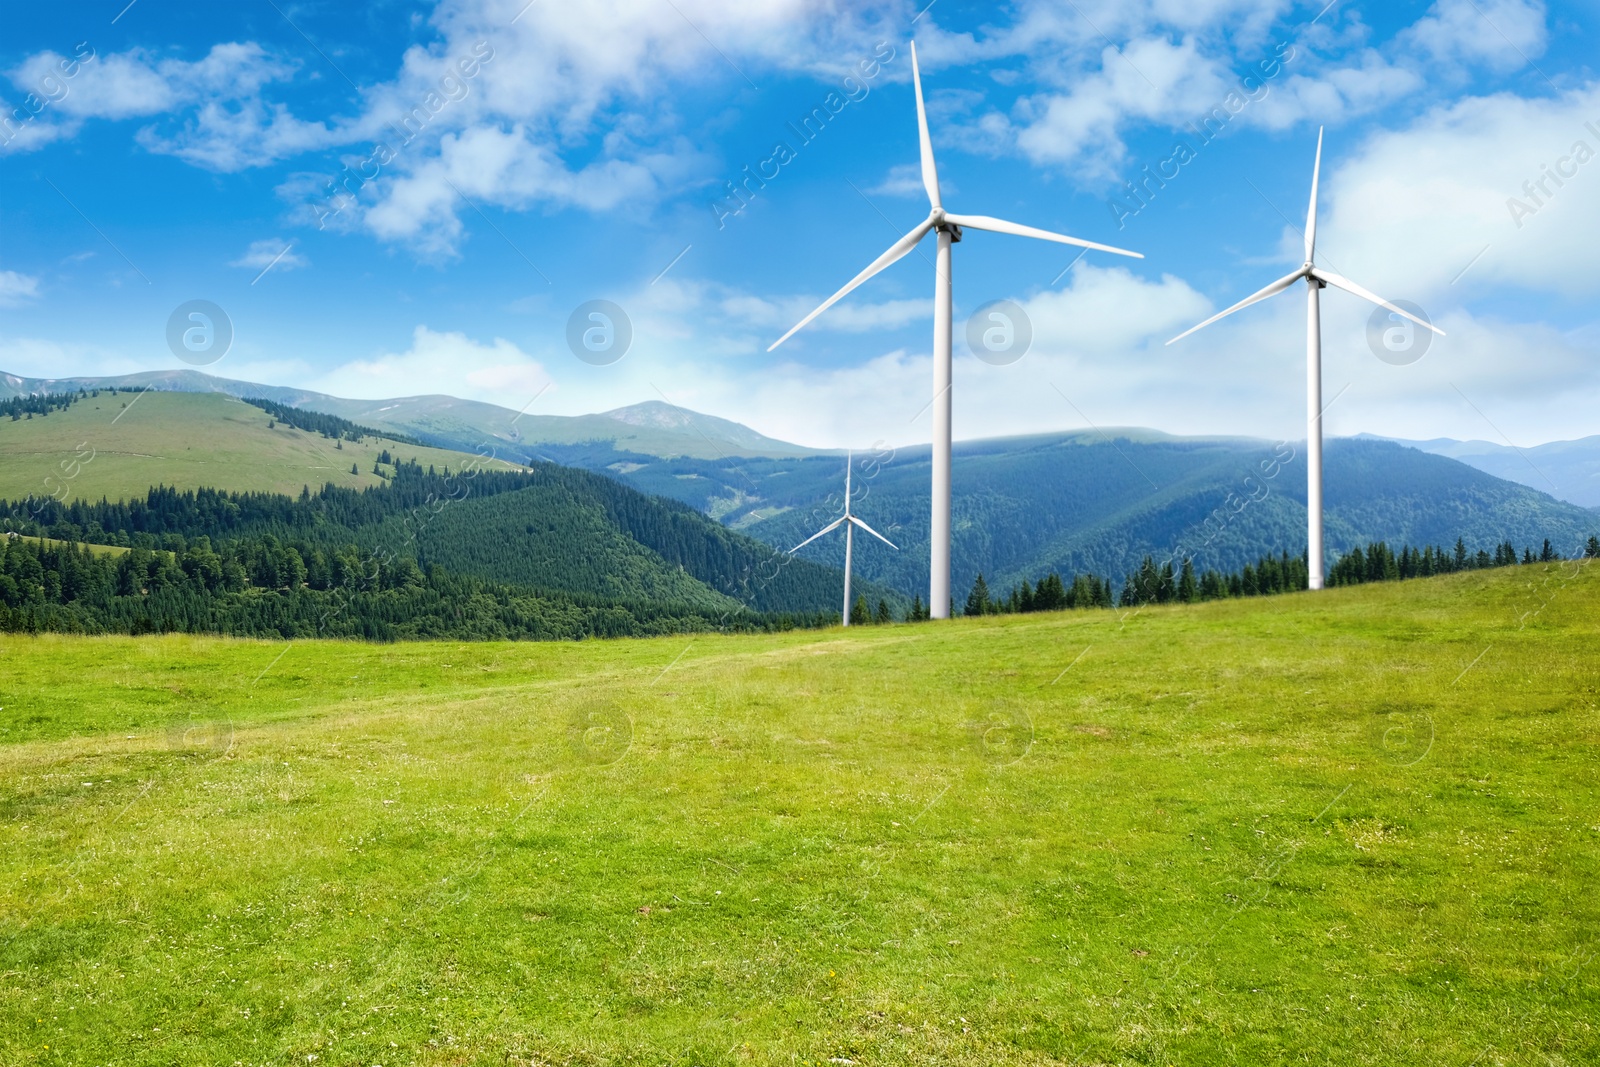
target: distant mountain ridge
1567 470
650 428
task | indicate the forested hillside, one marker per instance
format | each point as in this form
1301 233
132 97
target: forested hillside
1082 504
262 587
551 529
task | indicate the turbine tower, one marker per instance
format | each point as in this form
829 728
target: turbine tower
849 522
1316 280
948 226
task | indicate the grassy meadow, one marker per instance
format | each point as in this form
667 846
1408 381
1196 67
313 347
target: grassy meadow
100 446
1354 827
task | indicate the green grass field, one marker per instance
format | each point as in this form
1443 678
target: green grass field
1355 827
97 448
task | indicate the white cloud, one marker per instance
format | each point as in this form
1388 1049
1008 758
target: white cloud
1170 63
230 128
274 252
1505 34
440 362
905 179
499 167
17 289
40 357
1412 208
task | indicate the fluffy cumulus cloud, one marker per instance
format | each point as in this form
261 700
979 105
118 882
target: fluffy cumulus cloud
499 109
1486 192
440 362
1102 70
211 110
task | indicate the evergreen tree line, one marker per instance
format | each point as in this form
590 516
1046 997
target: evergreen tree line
26 407
1160 584
1050 594
1378 563
261 587
1152 584
330 426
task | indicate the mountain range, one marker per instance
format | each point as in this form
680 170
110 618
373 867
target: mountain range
1096 501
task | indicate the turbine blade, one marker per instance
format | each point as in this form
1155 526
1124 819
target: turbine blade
874 533
849 461
930 173
1311 212
1272 290
1351 287
832 526
894 254
988 222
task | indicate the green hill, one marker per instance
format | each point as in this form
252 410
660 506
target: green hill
117 445
1352 827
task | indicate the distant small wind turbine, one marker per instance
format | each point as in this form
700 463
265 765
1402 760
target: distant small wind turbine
1316 280
949 229
847 520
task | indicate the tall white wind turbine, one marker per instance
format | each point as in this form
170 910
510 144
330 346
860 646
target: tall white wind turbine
849 522
1316 280
948 226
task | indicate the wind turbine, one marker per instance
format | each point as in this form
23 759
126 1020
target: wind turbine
848 521
1316 280
948 226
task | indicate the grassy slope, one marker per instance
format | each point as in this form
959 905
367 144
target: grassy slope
1350 827
98 550
186 440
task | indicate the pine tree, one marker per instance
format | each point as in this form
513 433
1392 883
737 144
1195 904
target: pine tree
859 615
354 469
1549 552
918 612
882 616
978 599
1188 591
1592 549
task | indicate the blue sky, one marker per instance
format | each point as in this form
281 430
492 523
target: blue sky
572 151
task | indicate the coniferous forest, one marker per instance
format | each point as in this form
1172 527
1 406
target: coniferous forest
1156 583
431 553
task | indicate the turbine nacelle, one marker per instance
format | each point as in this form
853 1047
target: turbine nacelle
939 220
1309 269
